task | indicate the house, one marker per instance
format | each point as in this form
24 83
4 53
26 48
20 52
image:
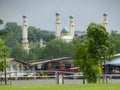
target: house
19 68
16 67
64 64
113 67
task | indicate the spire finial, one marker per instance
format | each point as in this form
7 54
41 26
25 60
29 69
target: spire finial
104 14
71 17
24 16
57 14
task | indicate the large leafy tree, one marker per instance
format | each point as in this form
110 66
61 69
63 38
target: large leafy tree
98 39
86 64
99 43
96 49
3 57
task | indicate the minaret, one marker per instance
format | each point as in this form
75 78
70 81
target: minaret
105 21
25 43
57 33
71 26
41 43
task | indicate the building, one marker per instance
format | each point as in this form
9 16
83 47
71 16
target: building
16 68
113 67
25 42
19 68
64 34
105 21
64 64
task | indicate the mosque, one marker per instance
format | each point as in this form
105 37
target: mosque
66 34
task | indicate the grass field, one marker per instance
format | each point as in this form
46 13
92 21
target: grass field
110 86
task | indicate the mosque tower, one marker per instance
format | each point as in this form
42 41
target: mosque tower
25 42
105 21
71 26
41 43
58 31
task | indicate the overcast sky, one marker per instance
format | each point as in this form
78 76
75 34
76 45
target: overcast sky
41 13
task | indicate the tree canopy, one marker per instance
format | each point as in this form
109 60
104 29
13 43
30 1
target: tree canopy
93 51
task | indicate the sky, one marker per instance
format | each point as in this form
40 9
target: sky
41 13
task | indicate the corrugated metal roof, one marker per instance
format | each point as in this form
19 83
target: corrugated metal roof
115 61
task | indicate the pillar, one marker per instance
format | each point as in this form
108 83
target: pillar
105 21
57 33
25 42
71 26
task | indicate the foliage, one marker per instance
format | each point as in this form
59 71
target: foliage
58 48
86 64
3 56
115 38
82 59
99 47
36 34
14 35
79 39
2 32
93 73
1 21
19 53
98 39
93 51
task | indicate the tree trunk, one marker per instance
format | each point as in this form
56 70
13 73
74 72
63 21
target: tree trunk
102 72
105 72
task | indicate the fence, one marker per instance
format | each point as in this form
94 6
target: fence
54 79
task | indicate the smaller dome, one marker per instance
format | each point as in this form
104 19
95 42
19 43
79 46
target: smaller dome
104 14
71 17
65 30
24 16
57 14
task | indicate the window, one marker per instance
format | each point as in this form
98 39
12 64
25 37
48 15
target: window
14 67
8 68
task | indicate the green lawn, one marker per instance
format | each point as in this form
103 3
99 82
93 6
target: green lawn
111 86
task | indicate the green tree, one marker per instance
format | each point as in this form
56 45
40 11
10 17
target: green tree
99 46
81 59
86 64
93 51
2 32
58 48
14 35
79 39
115 38
3 57
35 34
19 53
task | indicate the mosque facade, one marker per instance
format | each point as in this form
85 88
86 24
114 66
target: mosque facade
66 34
